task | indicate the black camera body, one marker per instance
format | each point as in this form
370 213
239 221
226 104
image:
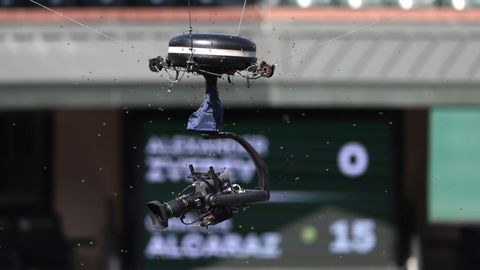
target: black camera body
204 185
212 194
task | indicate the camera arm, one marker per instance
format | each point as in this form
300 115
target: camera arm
261 192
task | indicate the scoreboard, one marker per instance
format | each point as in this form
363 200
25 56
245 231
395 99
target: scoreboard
332 190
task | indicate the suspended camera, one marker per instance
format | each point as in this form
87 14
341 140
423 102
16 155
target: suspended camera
211 193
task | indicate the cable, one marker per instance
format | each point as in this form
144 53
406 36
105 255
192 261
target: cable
88 27
190 25
350 32
241 17
193 222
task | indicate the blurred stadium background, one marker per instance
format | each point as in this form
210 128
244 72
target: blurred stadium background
371 138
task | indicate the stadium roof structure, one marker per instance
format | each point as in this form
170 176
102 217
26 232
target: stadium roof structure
415 59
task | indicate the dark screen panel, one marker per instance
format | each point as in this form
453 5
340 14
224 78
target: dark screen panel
30 232
332 189
25 144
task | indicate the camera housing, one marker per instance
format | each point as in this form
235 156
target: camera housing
212 194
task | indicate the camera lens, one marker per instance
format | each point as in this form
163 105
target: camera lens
160 212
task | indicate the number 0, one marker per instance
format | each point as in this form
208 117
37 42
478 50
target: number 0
352 159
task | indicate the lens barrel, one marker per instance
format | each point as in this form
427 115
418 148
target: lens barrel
179 206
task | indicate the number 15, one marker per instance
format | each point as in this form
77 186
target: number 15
362 239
